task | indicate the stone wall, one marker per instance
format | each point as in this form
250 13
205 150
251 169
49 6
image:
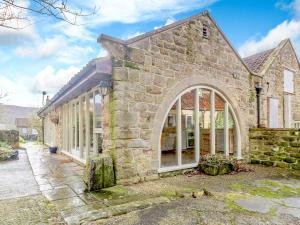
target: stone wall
10 136
275 147
150 73
273 84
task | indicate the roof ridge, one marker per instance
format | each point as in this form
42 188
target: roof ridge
258 53
152 32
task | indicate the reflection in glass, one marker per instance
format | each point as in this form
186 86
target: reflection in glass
98 100
187 127
204 120
168 140
219 124
91 120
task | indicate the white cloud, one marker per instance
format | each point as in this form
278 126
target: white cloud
58 46
133 35
26 91
132 11
75 31
18 92
102 53
51 81
41 49
287 29
26 30
168 22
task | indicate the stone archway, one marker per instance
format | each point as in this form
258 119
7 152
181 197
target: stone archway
168 102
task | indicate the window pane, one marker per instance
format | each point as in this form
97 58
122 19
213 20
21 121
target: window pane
204 120
73 125
168 140
219 124
187 127
288 81
77 125
83 125
91 120
98 100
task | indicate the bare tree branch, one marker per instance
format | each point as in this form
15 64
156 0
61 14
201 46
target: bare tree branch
14 13
2 95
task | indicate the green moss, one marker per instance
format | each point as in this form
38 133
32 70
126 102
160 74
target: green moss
168 194
282 191
230 201
131 65
290 160
270 183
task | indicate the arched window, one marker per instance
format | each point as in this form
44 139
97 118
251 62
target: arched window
200 121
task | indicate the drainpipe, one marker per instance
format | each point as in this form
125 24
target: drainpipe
258 90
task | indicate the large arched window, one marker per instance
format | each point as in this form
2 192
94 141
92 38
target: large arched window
200 121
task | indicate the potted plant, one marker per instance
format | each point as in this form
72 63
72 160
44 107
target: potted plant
52 149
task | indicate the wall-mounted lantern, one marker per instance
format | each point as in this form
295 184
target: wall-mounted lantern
104 87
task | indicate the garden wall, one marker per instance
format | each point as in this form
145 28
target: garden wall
10 136
275 147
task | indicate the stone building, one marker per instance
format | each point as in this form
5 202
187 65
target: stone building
163 99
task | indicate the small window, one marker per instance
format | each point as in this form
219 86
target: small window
205 31
288 81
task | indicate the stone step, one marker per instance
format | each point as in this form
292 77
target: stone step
93 215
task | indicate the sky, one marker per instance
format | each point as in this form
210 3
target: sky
45 54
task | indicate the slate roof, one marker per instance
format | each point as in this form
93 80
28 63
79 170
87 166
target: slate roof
255 62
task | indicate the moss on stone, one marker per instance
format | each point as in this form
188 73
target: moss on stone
268 191
295 144
275 158
296 166
282 164
290 160
295 155
267 163
255 161
131 65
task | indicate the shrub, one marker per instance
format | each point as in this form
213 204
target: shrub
21 140
5 151
216 164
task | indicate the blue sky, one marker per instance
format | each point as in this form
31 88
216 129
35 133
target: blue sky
46 54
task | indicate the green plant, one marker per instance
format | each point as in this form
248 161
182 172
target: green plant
21 140
5 151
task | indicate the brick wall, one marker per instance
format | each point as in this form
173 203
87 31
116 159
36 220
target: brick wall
275 147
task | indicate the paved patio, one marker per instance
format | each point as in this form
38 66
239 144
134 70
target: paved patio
16 178
53 192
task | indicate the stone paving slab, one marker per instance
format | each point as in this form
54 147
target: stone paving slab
16 178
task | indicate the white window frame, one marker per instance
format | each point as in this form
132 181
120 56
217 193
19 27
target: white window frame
273 123
288 120
288 81
68 129
177 100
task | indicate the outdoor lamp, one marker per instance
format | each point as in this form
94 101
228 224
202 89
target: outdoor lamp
104 87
